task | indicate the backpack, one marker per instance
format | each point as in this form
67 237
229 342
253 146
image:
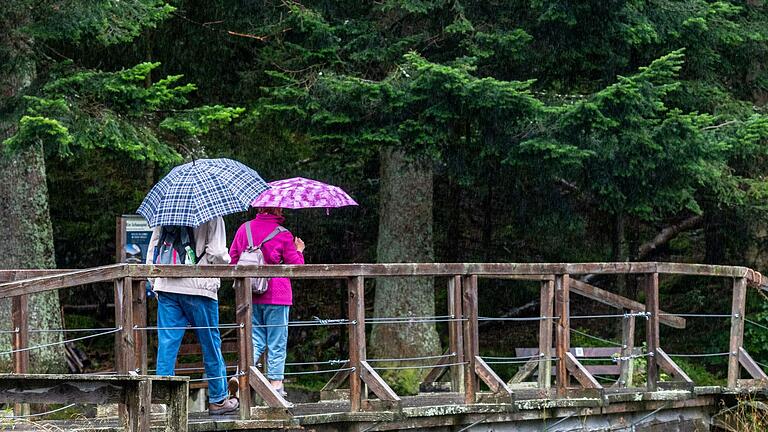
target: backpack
176 246
254 256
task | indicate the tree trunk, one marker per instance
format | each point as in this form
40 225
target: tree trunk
26 234
405 235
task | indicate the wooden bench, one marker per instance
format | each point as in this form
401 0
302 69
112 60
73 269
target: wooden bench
615 369
135 394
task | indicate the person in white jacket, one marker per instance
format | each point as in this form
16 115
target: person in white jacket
183 302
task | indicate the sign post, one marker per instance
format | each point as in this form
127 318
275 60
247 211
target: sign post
132 246
133 234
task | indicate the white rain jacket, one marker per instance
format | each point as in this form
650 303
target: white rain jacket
210 238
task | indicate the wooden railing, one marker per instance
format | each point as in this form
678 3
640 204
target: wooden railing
467 367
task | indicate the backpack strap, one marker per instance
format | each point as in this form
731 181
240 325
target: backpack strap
189 233
249 234
278 229
185 236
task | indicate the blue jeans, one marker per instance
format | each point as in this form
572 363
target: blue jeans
181 310
270 332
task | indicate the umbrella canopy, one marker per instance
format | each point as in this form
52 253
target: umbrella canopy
199 191
298 192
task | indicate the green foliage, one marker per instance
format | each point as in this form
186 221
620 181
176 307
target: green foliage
107 22
404 382
115 110
756 335
644 159
546 122
199 121
700 374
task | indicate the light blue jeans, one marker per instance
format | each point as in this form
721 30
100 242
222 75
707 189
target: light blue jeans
180 310
270 332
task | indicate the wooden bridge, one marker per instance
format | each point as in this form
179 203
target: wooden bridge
357 398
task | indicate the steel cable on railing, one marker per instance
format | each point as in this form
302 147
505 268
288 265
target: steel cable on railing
471 425
76 330
398 318
699 355
23 416
645 315
610 342
370 360
631 426
315 323
220 326
538 318
115 330
323 362
414 320
615 359
218 377
515 360
560 421
693 315
320 371
606 379
757 324
419 366
192 369
761 364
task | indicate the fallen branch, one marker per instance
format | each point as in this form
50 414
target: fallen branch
513 312
666 235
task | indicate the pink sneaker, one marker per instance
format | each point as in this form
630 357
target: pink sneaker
224 407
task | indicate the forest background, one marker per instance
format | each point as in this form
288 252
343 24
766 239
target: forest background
468 131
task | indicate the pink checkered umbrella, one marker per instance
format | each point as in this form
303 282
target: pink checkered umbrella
298 192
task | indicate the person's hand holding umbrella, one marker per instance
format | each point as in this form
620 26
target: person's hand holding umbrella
299 244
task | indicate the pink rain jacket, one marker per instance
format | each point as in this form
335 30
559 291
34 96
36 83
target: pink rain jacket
281 247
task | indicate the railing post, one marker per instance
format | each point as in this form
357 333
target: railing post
471 342
652 328
563 309
140 319
20 323
627 348
125 354
545 333
738 309
243 315
455 333
357 354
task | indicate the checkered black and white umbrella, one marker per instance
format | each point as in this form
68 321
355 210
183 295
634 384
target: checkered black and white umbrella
199 191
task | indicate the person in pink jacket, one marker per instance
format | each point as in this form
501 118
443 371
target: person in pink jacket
270 310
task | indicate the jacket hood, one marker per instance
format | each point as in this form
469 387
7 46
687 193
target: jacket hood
265 217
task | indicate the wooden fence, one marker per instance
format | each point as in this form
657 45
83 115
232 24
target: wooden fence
466 366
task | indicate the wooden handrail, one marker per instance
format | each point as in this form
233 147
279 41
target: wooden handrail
556 285
58 280
63 280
